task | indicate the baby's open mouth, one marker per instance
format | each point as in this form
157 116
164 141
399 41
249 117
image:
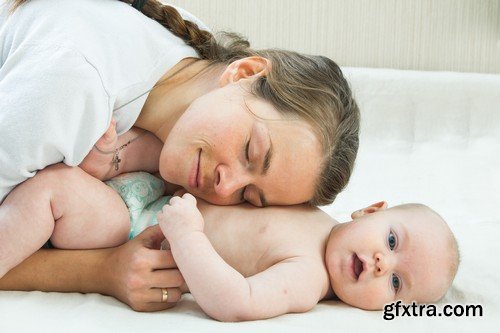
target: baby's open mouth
357 266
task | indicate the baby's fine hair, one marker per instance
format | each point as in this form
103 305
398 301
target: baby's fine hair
311 88
452 242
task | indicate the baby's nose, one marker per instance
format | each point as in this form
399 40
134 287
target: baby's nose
381 264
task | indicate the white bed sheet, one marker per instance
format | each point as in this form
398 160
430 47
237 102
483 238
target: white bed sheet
430 137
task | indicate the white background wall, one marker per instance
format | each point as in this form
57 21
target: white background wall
449 35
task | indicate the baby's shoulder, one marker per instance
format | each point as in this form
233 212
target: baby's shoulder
305 262
301 241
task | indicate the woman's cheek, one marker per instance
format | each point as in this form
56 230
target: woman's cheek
165 167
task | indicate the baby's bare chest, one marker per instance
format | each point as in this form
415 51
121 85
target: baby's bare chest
252 248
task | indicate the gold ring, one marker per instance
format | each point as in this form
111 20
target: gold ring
164 295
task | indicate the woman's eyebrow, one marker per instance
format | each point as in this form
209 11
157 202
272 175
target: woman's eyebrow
266 163
269 154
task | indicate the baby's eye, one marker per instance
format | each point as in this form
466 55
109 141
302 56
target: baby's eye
392 240
396 283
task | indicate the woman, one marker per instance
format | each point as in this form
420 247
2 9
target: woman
193 98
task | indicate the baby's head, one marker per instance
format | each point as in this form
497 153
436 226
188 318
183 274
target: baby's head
406 253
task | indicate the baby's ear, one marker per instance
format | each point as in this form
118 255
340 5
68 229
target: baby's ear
382 205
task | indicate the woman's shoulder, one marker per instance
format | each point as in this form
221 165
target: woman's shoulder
55 95
55 73
110 34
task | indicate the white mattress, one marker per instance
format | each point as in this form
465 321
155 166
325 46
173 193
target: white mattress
430 137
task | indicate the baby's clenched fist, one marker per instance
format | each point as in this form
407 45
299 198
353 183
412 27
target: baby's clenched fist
179 217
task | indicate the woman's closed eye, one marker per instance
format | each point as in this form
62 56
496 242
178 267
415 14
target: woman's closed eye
247 150
242 196
247 156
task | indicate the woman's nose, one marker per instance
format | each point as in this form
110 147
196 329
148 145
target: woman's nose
228 181
381 264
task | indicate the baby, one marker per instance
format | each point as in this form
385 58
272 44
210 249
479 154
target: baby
258 263
246 263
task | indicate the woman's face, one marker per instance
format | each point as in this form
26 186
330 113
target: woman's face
221 152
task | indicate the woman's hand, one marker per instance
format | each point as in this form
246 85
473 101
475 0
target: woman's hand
136 272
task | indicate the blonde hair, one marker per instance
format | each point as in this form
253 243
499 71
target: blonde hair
310 87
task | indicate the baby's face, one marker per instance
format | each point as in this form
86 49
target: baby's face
391 254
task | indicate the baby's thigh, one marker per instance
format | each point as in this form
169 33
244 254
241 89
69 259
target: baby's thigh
89 213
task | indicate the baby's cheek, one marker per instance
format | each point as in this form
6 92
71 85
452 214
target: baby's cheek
162 168
374 296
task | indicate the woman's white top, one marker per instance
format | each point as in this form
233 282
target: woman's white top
66 68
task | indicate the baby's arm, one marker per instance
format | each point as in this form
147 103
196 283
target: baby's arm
140 151
292 285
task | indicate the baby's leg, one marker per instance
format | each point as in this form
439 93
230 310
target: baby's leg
92 215
78 210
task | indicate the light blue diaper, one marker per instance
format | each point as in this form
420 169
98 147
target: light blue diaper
143 195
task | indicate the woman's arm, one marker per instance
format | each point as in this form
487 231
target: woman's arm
132 272
77 271
138 150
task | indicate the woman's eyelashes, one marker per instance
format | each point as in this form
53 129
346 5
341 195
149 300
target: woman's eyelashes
247 150
247 156
242 195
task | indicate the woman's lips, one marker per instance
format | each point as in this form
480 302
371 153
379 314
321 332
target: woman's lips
193 178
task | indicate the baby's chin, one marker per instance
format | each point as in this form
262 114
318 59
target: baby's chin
365 306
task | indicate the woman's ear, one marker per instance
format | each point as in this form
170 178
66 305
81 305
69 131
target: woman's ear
382 205
245 68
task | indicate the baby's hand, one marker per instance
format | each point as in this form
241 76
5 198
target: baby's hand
180 217
98 161
107 142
